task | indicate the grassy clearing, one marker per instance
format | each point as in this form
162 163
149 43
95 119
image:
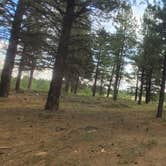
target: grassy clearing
85 132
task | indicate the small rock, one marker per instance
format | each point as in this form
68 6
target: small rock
4 148
103 150
41 154
91 129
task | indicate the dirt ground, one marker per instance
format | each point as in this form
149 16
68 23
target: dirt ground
85 132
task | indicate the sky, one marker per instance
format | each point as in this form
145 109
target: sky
138 11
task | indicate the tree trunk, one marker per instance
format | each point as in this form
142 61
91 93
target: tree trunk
117 76
72 85
141 87
101 85
120 78
162 91
94 85
136 88
76 85
30 79
67 84
119 66
11 51
148 87
18 80
20 69
115 94
52 103
96 75
110 82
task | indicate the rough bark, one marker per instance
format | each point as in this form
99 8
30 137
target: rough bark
20 69
95 83
67 84
117 77
120 77
162 91
119 66
101 85
11 51
30 79
136 88
76 85
115 94
72 85
96 75
18 80
141 87
52 103
110 82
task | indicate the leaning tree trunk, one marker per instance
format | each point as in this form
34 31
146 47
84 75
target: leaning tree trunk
52 103
30 79
141 87
148 87
11 51
162 91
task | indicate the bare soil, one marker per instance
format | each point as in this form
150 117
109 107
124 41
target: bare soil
85 132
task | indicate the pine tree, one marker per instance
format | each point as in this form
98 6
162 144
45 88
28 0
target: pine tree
72 11
12 49
123 44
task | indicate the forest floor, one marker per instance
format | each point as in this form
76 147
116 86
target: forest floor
85 132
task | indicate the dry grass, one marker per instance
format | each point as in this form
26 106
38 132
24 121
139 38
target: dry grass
85 132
